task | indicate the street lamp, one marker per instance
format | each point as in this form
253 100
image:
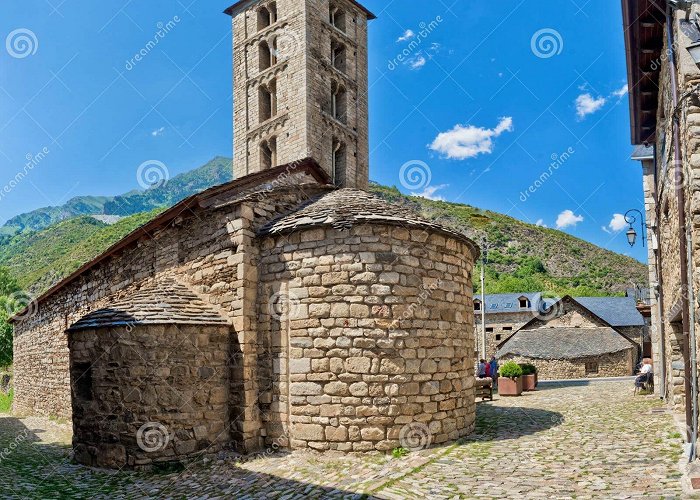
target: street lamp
631 220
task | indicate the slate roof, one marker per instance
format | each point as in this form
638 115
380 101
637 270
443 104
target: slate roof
565 343
508 302
344 208
162 301
618 311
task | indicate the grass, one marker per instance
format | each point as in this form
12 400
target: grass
6 401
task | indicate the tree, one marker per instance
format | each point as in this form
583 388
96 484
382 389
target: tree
9 305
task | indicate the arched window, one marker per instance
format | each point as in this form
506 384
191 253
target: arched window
337 17
267 15
339 163
266 56
338 56
339 102
268 153
267 101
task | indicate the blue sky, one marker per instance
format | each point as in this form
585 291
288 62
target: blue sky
491 97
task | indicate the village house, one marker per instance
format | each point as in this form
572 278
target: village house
568 341
661 39
287 308
508 312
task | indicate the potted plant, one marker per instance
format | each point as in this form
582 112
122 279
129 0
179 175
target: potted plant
510 380
529 376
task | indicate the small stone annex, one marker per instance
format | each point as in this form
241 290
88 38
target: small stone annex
568 341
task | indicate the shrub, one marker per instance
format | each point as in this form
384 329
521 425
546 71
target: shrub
510 369
399 452
528 369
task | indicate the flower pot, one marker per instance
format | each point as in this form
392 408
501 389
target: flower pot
529 382
510 386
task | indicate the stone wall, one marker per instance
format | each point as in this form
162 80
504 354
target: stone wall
377 325
619 364
212 251
148 394
503 325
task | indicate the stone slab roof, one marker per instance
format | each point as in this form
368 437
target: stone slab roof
344 208
565 343
158 301
618 311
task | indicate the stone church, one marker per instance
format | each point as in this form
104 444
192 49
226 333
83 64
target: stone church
288 308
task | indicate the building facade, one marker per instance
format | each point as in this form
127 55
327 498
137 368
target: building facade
508 312
665 112
568 341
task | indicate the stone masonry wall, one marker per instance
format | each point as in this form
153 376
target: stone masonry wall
149 393
503 325
619 364
377 324
212 251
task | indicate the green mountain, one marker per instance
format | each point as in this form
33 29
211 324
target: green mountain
527 258
521 258
217 171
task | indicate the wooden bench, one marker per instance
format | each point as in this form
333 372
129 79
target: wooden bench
484 389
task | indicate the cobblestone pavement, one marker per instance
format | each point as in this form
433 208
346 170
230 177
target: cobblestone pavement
582 440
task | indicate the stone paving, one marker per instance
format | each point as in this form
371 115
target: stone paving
581 440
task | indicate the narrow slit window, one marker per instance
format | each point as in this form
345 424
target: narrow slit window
339 103
265 56
337 17
82 381
339 162
267 16
268 153
267 97
338 56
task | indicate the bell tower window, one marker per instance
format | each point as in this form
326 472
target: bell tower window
339 163
267 57
268 153
267 97
337 17
338 102
267 16
338 56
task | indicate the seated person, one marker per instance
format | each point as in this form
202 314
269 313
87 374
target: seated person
646 373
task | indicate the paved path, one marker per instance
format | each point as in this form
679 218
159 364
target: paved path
583 440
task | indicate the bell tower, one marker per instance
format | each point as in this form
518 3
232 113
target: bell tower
300 86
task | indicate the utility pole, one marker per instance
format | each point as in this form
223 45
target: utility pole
484 259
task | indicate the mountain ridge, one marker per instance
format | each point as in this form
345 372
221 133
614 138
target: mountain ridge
522 257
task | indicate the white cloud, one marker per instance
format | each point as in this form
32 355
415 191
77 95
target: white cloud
540 223
617 223
429 192
417 62
567 219
468 141
622 91
586 104
158 131
407 35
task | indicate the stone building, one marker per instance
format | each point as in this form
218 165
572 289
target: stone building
568 341
508 312
280 309
665 114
